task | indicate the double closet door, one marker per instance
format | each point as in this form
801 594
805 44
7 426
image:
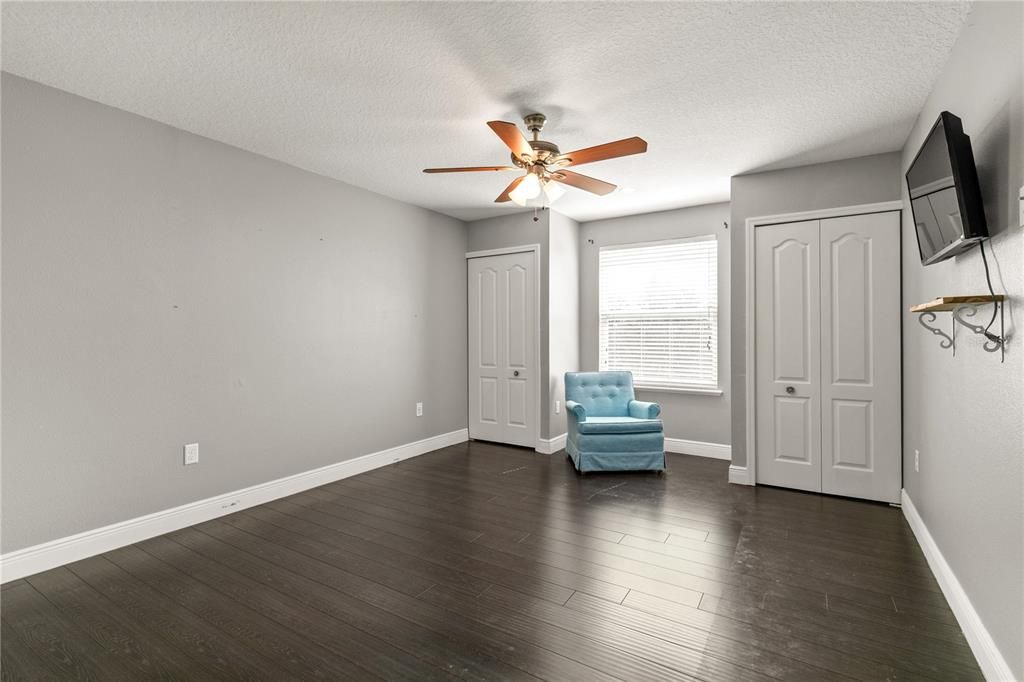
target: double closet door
504 366
827 315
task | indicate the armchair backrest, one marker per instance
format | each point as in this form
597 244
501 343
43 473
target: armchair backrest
602 394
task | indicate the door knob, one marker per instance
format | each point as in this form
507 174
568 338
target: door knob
515 373
790 390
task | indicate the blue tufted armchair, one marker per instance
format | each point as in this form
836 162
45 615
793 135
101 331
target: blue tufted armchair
609 430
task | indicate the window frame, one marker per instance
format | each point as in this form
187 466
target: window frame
680 387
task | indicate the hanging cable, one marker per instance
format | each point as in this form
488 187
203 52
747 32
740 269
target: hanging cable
988 280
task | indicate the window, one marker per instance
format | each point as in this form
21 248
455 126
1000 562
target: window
659 312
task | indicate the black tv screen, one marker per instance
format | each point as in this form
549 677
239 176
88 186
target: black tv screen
945 197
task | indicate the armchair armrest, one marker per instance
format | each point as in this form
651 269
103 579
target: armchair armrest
638 409
577 410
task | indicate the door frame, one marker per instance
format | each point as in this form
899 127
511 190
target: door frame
748 475
504 251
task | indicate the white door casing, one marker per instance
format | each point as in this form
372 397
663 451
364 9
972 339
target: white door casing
860 358
503 359
788 355
827 355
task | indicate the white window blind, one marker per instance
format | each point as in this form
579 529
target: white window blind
659 312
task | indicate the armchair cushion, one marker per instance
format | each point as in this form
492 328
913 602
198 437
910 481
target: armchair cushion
638 409
619 425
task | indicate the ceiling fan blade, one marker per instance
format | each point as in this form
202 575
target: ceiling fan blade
584 182
512 137
610 150
503 197
469 169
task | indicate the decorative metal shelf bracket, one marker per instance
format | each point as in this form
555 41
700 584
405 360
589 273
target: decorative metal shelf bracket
993 342
964 314
946 340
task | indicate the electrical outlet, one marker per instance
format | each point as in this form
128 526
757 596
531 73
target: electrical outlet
558 407
917 460
191 453
419 409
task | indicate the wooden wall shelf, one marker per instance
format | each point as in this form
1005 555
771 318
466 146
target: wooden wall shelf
964 309
949 303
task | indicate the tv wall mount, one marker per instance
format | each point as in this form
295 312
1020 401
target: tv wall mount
965 311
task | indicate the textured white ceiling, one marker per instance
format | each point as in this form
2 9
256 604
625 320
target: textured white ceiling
371 93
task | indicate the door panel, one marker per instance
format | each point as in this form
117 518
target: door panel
850 329
860 294
488 402
503 362
852 445
518 403
517 326
792 432
788 330
488 307
791 325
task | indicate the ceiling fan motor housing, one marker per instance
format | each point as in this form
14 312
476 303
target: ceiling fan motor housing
543 151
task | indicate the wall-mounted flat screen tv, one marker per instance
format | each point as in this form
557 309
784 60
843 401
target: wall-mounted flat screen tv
945 197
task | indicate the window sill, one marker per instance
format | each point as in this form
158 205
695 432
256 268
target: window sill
686 390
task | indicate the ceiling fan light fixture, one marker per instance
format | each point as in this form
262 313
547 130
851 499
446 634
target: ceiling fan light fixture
527 190
539 192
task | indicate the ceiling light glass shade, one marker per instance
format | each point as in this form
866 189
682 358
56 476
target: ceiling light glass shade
536 193
526 190
553 190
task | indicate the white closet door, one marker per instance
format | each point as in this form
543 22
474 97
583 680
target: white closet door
503 363
860 356
788 330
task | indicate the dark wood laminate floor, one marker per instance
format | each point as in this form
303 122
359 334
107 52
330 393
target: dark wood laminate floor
485 562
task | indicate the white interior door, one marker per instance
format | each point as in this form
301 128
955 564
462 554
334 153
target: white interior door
788 326
827 379
503 362
860 358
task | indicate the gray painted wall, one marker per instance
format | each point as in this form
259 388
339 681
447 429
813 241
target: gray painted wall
864 180
966 413
161 288
514 229
563 314
691 417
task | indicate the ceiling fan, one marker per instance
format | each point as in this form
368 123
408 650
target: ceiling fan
545 164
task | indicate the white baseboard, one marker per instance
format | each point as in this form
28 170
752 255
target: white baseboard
992 663
549 446
698 448
739 475
30 560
